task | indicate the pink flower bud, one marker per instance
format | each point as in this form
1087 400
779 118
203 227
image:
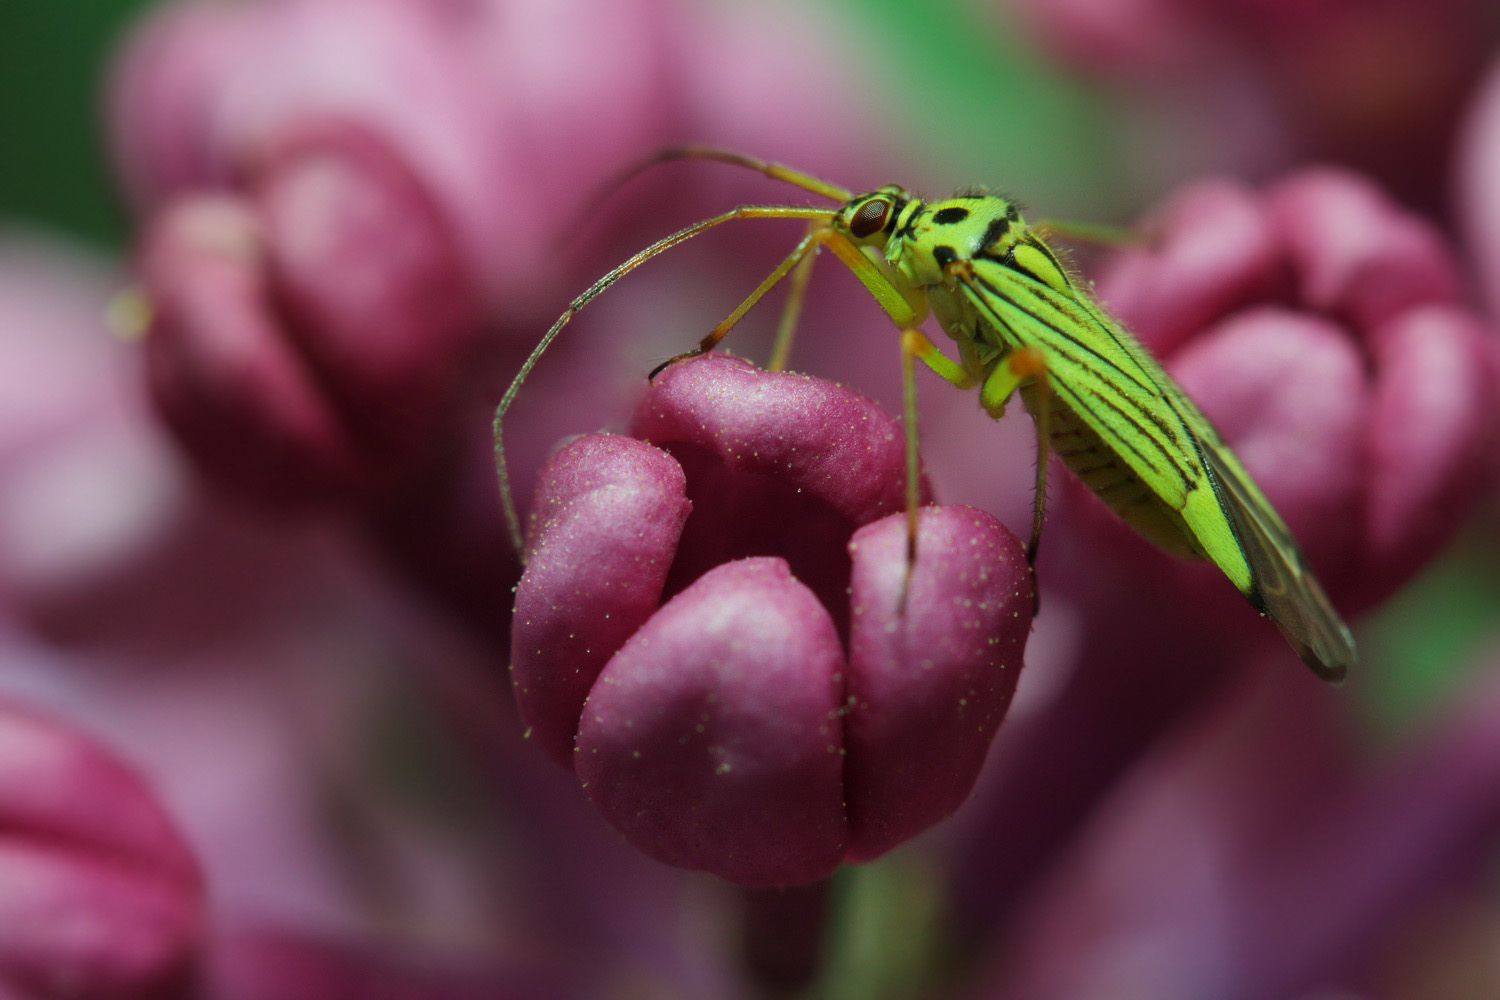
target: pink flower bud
99 897
946 664
1478 186
609 516
98 516
263 964
727 729
712 739
1258 84
87 486
502 112
1319 327
306 339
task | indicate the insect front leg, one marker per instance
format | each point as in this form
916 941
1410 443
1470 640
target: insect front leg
791 312
817 234
907 308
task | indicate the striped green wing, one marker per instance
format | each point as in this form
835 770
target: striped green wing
1112 384
1287 590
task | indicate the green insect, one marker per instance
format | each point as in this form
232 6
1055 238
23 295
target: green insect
1023 324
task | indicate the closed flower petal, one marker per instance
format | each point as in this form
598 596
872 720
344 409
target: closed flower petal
714 738
606 529
730 732
933 662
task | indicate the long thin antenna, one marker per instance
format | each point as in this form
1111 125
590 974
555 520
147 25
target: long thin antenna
776 171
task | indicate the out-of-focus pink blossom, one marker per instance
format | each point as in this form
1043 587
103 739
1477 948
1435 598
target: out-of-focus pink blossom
103 535
269 965
85 485
1377 84
1252 856
727 729
1478 186
1322 330
318 309
486 102
509 114
99 896
307 338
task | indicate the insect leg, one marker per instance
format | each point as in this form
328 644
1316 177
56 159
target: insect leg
791 312
803 250
927 352
916 346
907 314
775 171
910 349
1022 365
507 501
1029 363
1026 364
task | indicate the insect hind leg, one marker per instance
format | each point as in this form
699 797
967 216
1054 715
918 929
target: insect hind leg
1027 366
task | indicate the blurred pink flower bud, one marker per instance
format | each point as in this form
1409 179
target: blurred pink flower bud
1478 186
103 534
306 336
87 486
278 965
99 897
727 729
500 111
1373 83
1320 328
1254 855
398 168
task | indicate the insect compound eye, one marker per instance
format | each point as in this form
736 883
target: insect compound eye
870 218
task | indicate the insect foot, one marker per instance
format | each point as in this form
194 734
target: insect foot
708 630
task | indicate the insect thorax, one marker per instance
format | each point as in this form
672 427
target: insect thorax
961 228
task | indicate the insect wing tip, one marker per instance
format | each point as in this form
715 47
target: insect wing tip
1330 654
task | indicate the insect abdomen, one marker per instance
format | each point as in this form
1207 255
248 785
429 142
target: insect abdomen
1110 479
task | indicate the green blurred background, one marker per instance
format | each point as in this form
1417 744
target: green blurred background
53 57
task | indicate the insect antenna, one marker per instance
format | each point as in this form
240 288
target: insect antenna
775 171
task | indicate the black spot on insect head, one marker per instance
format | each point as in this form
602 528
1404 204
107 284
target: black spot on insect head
950 216
944 255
